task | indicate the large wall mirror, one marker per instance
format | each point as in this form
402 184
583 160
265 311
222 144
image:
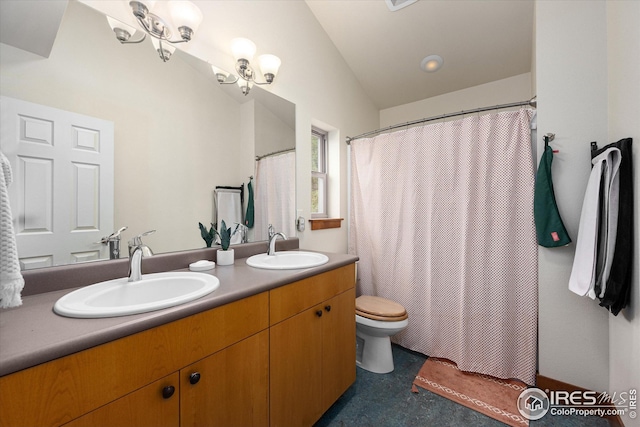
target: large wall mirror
177 133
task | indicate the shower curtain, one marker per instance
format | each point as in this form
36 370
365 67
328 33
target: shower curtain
442 220
275 195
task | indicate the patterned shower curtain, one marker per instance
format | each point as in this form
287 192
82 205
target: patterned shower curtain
442 220
275 195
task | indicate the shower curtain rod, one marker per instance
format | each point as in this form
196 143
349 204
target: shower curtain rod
274 153
532 102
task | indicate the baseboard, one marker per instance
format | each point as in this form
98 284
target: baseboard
546 383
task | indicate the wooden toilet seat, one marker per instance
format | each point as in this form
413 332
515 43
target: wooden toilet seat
382 309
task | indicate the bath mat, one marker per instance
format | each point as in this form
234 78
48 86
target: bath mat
490 396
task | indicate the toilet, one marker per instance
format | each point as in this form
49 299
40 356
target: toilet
377 319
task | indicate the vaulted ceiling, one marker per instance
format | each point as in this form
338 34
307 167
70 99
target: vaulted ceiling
480 40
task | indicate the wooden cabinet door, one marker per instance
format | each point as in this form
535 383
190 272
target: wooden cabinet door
145 407
296 369
338 346
232 387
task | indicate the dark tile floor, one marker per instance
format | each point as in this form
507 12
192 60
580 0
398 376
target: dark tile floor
386 400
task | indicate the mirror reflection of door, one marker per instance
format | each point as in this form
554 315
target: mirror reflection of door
62 203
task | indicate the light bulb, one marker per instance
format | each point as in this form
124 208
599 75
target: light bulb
243 49
269 64
185 14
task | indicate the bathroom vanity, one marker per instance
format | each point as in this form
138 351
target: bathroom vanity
267 348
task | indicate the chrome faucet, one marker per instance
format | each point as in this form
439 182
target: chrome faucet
113 240
271 231
272 243
137 250
243 230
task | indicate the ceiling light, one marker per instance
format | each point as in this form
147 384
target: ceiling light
185 15
431 63
243 51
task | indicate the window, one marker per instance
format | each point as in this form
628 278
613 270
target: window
319 180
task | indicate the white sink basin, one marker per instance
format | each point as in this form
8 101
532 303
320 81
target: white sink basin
287 260
119 297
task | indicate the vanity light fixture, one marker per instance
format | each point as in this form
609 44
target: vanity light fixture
243 51
184 15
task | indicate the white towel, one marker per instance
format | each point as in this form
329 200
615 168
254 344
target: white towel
584 271
229 209
11 281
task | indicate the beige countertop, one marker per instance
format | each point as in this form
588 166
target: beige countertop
32 333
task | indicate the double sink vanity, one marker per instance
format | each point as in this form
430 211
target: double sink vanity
268 346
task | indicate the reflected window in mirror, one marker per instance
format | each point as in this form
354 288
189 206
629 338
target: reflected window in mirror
319 181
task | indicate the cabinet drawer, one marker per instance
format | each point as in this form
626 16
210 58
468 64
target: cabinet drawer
71 386
289 300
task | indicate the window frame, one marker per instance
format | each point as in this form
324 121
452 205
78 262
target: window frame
322 175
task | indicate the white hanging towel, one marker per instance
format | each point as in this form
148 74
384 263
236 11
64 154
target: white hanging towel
586 271
11 281
229 209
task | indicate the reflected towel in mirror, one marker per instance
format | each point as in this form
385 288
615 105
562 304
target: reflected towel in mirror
11 281
228 207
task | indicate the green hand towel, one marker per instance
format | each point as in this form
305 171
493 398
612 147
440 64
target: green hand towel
549 227
250 215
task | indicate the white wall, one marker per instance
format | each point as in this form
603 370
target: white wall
324 90
623 37
271 133
571 43
512 89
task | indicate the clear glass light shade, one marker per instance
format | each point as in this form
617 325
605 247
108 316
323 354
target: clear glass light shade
166 46
185 14
269 64
243 49
114 23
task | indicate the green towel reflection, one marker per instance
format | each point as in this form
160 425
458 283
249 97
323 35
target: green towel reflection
250 215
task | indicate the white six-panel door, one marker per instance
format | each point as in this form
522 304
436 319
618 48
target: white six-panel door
62 194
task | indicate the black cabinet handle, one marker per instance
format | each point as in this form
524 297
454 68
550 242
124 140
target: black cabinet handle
168 391
327 308
194 377
319 313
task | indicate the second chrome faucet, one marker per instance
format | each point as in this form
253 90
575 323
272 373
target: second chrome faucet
137 250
